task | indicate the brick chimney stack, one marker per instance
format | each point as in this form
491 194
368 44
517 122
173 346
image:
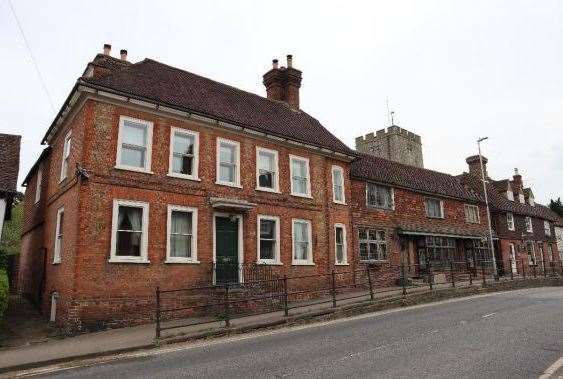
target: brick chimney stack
123 54
107 49
283 83
475 165
517 181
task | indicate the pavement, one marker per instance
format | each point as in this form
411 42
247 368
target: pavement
513 334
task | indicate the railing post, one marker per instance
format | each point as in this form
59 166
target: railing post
483 272
430 278
333 289
511 270
369 281
285 308
227 315
157 312
403 280
470 277
523 268
452 273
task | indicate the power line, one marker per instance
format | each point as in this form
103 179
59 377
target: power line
41 79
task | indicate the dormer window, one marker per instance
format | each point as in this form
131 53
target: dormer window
529 226
521 198
510 195
531 201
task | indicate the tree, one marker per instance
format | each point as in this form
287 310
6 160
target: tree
11 235
556 206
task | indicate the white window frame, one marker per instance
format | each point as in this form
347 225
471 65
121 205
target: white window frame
309 260
333 170
550 252
344 248
58 232
547 228
195 168
66 156
148 157
143 258
529 225
510 195
276 188
236 144
521 198
471 206
169 258
442 213
302 159
510 221
531 258
375 206
277 255
38 184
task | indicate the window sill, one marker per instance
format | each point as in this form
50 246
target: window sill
374 208
228 184
136 261
339 202
301 195
134 169
373 261
185 177
182 261
266 189
56 262
269 263
342 264
436 218
302 263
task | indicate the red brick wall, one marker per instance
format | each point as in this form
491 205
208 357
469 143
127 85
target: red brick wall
95 282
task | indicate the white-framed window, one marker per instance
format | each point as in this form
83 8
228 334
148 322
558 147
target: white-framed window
38 184
340 246
184 154
510 221
434 208
531 253
300 177
302 242
531 201
378 196
228 162
372 244
66 155
550 252
510 195
134 144
529 225
540 252
59 231
472 214
547 228
267 172
338 195
521 198
129 232
181 244
268 230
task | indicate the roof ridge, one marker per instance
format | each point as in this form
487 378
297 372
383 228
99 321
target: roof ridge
406 165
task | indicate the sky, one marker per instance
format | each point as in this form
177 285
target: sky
452 71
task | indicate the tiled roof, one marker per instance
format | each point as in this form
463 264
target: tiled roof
9 162
499 202
177 88
380 170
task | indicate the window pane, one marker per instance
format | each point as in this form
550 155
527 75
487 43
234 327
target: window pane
181 222
134 133
130 218
182 164
183 144
227 153
227 173
183 152
339 235
128 244
133 157
364 251
339 253
266 161
298 168
266 179
267 229
300 186
267 249
180 246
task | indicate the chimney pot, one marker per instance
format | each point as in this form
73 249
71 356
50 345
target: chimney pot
123 54
516 171
275 64
289 61
107 49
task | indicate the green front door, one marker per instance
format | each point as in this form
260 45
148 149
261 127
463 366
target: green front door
226 250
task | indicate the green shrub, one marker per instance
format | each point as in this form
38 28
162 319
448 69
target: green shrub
3 292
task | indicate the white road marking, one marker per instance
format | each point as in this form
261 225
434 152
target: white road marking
552 369
488 315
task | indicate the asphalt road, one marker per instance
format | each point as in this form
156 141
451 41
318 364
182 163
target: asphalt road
515 334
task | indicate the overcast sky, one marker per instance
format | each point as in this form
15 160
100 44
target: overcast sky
453 70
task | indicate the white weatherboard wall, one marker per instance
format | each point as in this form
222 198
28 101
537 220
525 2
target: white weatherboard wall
2 213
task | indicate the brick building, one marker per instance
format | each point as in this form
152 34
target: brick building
154 176
525 229
9 169
408 214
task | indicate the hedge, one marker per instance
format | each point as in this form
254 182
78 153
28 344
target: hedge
3 292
